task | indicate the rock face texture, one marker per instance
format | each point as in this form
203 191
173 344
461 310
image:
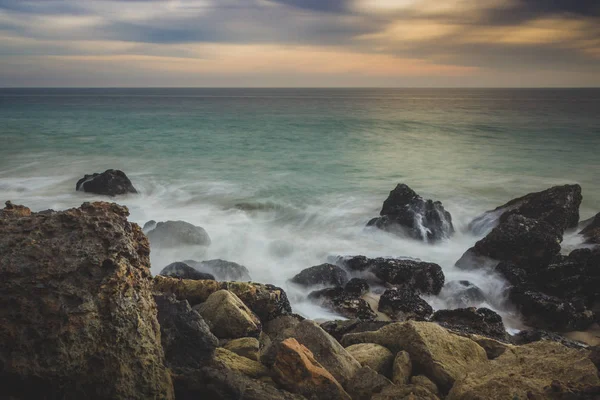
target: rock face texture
347 304
184 271
374 356
404 212
178 233
404 304
111 182
77 317
482 321
324 274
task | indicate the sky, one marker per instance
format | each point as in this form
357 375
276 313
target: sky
300 43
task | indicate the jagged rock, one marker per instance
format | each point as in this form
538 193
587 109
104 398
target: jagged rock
424 277
324 274
346 304
423 381
482 321
365 383
405 392
178 233
592 231
111 182
558 206
266 301
14 210
222 270
535 335
338 329
235 362
228 317
401 368
246 347
183 271
297 370
461 294
404 212
374 356
440 355
403 304
76 308
357 287
148 226
529 372
185 337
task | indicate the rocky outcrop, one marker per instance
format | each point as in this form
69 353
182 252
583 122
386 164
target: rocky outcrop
222 270
183 271
111 182
357 287
482 321
14 210
77 317
347 304
324 274
266 301
557 206
592 231
406 213
540 370
178 233
404 304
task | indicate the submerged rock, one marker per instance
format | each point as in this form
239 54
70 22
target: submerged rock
592 231
324 274
184 271
482 321
223 270
461 294
111 182
404 212
404 304
76 307
338 300
178 233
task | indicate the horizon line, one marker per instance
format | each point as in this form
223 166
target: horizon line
299 87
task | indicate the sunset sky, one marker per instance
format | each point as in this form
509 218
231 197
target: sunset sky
296 43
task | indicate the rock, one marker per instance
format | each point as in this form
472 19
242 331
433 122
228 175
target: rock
183 271
235 362
246 347
482 321
337 329
266 301
401 368
297 370
224 270
405 392
404 212
76 308
493 348
281 324
365 383
324 274
424 277
528 372
461 294
346 304
440 355
178 233
185 337
425 382
14 211
374 356
111 182
357 287
592 231
228 317
277 330
148 226
557 206
535 335
519 240
401 305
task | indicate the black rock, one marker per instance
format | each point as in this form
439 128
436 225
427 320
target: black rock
178 233
222 270
405 212
592 230
111 182
184 271
348 305
357 287
338 329
324 274
482 321
535 335
461 294
404 304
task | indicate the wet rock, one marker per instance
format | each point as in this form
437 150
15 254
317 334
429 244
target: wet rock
405 392
228 317
461 294
183 271
340 301
235 362
357 287
72 283
592 231
526 372
403 304
374 356
223 270
178 233
536 335
481 321
338 329
246 347
266 301
365 383
111 182
324 274
557 206
404 212
297 370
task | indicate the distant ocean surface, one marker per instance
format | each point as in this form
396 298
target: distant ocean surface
309 166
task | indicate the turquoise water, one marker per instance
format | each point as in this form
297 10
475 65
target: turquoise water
318 162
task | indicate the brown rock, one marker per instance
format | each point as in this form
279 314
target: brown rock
14 210
402 368
245 347
405 392
365 383
372 355
235 362
422 380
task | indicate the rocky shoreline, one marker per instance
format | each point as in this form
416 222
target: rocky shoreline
81 316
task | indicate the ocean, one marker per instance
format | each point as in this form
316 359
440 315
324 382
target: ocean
282 179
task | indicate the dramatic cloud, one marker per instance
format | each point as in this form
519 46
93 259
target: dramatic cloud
299 43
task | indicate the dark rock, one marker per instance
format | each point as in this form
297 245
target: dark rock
111 182
592 231
404 304
482 321
14 210
338 329
348 305
461 294
77 316
184 271
535 335
148 226
185 337
405 212
357 287
557 206
514 275
223 270
365 383
324 274
178 233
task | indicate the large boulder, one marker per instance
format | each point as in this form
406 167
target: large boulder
404 304
266 301
244 365
183 271
111 182
557 206
374 356
540 370
404 212
347 304
222 270
482 321
77 317
592 231
171 234
324 274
